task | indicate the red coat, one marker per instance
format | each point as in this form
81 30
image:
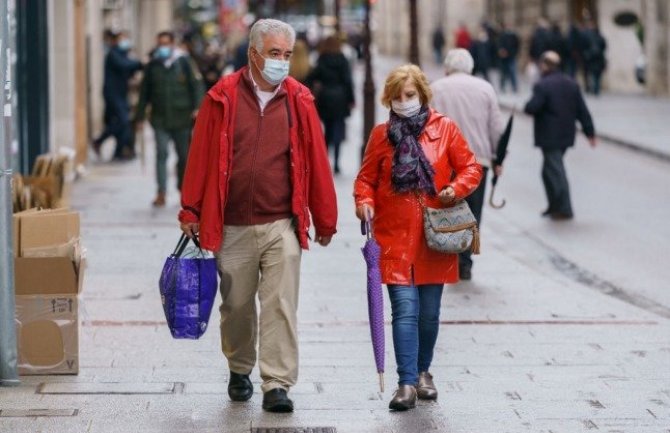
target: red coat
398 220
210 162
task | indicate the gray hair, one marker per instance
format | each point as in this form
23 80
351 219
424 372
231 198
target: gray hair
266 27
459 60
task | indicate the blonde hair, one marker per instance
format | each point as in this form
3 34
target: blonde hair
396 81
300 66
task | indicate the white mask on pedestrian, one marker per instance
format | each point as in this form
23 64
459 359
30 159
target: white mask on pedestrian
275 71
409 108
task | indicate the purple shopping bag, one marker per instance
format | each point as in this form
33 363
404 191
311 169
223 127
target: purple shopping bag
188 287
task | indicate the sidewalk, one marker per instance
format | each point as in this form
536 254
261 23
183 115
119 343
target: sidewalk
526 346
638 122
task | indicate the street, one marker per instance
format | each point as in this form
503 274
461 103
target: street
565 326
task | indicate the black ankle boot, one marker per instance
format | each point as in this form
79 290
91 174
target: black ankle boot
240 387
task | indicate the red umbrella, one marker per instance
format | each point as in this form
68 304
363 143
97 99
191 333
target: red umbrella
371 253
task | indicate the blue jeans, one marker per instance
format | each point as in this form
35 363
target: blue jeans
416 320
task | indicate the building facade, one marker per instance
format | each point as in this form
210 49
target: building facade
625 49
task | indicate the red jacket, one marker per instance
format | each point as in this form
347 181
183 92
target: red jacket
398 220
210 162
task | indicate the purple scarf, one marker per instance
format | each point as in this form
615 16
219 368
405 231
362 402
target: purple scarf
410 171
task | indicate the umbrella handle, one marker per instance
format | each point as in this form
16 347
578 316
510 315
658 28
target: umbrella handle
366 226
493 205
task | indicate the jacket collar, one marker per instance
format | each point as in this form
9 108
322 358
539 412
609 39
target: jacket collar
227 85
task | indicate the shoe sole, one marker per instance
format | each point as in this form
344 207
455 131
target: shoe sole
241 399
278 408
401 407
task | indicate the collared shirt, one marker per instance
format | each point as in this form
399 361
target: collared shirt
263 96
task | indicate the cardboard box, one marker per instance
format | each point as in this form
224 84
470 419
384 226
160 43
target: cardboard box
49 271
47 334
47 276
46 228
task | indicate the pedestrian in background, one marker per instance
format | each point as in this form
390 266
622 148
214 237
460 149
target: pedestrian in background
481 53
556 104
119 69
417 156
594 57
508 50
438 44
462 36
257 169
331 83
173 88
300 65
472 103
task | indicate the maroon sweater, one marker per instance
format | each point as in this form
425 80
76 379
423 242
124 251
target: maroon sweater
259 189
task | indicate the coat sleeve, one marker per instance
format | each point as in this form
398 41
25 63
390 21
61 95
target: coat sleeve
464 163
322 201
536 102
122 63
145 88
367 181
495 124
584 116
193 187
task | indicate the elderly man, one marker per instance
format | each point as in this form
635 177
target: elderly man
471 102
555 105
257 169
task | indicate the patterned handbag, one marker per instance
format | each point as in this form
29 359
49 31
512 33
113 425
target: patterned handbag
452 229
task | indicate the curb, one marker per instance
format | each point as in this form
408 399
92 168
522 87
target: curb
635 147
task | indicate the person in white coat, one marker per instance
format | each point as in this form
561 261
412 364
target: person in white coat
472 103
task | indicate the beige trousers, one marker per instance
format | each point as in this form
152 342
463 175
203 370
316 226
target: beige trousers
265 260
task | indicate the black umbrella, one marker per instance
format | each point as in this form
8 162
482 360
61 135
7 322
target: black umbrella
500 157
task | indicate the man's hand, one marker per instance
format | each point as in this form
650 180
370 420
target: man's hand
190 229
497 170
593 141
365 212
447 195
323 240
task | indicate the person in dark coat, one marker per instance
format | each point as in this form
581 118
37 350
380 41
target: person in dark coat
481 53
575 47
594 57
173 88
333 88
438 44
119 68
540 41
556 104
508 50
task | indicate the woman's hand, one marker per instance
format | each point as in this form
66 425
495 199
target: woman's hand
365 212
447 195
190 229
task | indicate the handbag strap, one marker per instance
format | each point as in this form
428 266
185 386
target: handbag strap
183 242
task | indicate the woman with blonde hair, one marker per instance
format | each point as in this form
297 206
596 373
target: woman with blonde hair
417 157
300 66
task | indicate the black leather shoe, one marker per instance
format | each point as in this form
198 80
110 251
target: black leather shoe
276 400
240 387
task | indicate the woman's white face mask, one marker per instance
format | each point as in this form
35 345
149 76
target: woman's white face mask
409 108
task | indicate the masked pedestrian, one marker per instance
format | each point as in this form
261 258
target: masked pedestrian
119 69
409 160
257 169
173 87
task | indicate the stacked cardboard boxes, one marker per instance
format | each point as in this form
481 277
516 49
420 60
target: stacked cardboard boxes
48 186
49 270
